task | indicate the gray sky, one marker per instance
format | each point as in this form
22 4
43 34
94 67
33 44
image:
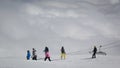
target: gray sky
72 23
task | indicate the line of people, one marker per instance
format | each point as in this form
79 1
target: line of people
47 54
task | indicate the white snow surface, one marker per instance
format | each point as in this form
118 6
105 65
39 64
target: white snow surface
77 25
72 61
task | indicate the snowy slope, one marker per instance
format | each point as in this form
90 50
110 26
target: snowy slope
72 61
77 25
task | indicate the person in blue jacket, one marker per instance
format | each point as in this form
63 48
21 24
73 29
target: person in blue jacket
28 55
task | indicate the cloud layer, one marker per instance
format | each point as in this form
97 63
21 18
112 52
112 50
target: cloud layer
27 22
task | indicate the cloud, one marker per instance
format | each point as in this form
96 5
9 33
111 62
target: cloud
73 30
33 10
35 16
27 23
50 13
114 1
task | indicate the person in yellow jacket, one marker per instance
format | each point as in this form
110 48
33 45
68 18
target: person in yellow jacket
63 53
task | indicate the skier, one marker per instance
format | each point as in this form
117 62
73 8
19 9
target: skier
28 55
34 56
94 52
47 55
63 53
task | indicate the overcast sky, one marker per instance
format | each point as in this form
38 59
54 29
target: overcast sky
69 23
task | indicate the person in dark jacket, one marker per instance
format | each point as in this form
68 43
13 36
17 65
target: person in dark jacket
46 49
34 56
63 53
94 52
28 55
47 55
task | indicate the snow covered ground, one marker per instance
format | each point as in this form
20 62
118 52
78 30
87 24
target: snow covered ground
78 25
72 61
